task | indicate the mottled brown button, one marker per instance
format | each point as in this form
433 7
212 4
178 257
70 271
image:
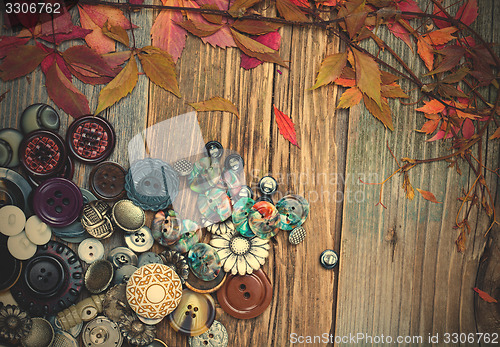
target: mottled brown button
107 181
205 287
246 297
194 315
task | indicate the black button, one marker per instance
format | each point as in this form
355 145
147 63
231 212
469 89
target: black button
214 149
234 162
268 185
45 275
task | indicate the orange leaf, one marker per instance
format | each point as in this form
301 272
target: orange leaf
430 126
255 27
160 68
212 18
96 39
393 90
285 126
331 68
116 33
408 188
496 134
215 104
290 11
425 52
199 29
442 36
350 97
428 196
485 296
382 114
432 107
256 49
239 7
368 77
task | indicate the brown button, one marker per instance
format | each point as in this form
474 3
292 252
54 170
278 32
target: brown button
246 297
205 287
194 315
107 181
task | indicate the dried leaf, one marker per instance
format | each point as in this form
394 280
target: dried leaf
410 193
368 77
468 12
116 33
344 82
75 33
9 42
56 24
431 107
21 61
199 29
221 38
383 114
460 242
486 206
239 7
452 56
96 39
255 27
290 11
271 40
430 126
168 36
441 36
285 126
468 129
400 32
355 21
428 196
331 69
116 59
256 49
160 68
485 296
100 14
496 134
64 93
215 104
212 18
350 97
393 90
426 52
448 92
119 87
87 62
388 78
55 58
456 76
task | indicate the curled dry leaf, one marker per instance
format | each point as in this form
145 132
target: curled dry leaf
428 196
119 87
408 188
160 68
116 33
212 18
331 69
215 104
255 27
256 49
285 126
199 29
21 61
271 40
239 7
485 296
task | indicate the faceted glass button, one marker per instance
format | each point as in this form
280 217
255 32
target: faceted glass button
194 315
204 262
241 211
293 210
166 228
214 205
264 220
216 336
205 175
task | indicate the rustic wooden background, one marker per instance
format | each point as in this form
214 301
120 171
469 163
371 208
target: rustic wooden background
411 283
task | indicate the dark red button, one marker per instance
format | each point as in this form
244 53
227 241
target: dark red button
90 139
107 181
58 202
43 154
246 297
67 172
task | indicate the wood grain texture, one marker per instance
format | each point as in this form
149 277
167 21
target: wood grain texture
400 274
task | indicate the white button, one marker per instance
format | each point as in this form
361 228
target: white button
141 240
21 247
37 231
90 250
12 220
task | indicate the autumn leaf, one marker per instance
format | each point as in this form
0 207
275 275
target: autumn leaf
51 25
116 33
116 59
408 188
199 29
75 33
10 42
456 76
485 296
368 77
452 56
160 68
426 52
255 27
393 90
285 126
496 134
256 49
271 40
290 11
355 21
64 93
239 7
21 61
168 36
382 114
212 18
119 87
468 12
400 32
428 196
96 39
432 106
86 64
468 128
441 36
215 104
350 98
460 242
331 69
430 126
54 58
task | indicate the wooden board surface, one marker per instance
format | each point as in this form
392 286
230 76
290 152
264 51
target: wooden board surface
415 285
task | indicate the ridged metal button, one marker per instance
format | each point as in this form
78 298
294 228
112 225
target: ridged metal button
102 332
96 219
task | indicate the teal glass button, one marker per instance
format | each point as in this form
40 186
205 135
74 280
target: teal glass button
214 205
166 228
204 262
205 175
241 210
293 210
188 239
264 220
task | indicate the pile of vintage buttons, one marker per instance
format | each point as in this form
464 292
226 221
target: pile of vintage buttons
131 288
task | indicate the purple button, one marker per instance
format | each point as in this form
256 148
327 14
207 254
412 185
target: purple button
58 202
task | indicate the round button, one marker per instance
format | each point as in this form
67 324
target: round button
98 276
157 343
188 239
6 153
58 202
37 231
204 261
149 258
268 185
123 274
115 303
107 181
214 205
41 334
101 332
264 220
216 336
140 241
14 189
90 139
244 192
241 211
183 167
135 331
205 175
10 269
194 315
246 297
297 235
205 287
62 338
329 259
293 210
45 275
96 219
39 116
234 162
21 247
67 172
12 140
214 149
176 262
12 220
127 216
266 198
221 228
154 291
90 250
121 256
166 228
43 154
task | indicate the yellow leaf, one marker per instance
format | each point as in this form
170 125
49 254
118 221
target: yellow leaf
159 66
331 69
368 76
410 193
496 134
382 114
215 104
290 11
350 97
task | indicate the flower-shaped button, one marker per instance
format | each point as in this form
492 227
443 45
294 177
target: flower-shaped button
204 262
293 210
241 211
264 220
214 205
194 315
238 254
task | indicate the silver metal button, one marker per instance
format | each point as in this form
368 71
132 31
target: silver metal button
90 250
141 240
121 256
102 332
149 258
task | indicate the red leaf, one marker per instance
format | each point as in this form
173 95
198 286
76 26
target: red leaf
440 23
271 40
285 126
441 36
168 36
485 296
96 39
64 94
426 52
21 61
115 59
55 58
56 24
9 42
136 2
408 6
290 11
303 3
468 128
432 106
400 32
256 49
467 13
428 196
75 33
88 66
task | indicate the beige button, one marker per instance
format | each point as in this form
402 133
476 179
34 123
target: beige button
12 220
21 247
37 231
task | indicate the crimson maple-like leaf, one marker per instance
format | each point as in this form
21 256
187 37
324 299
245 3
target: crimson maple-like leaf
400 32
55 58
88 66
64 93
467 13
428 196
215 104
165 34
485 296
60 24
75 33
271 40
368 78
350 97
440 23
285 126
21 61
160 68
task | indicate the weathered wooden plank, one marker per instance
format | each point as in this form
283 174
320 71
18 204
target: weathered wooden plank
400 274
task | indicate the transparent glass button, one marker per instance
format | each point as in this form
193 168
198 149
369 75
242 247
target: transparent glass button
293 210
241 211
204 262
264 220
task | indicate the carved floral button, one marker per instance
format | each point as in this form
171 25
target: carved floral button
216 336
154 290
221 227
194 315
204 261
293 210
264 220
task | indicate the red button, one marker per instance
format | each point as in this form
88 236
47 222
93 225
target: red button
246 297
90 139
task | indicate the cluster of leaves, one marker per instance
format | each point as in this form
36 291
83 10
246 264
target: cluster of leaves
459 63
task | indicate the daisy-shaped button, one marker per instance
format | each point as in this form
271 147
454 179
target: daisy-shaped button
238 254
154 290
